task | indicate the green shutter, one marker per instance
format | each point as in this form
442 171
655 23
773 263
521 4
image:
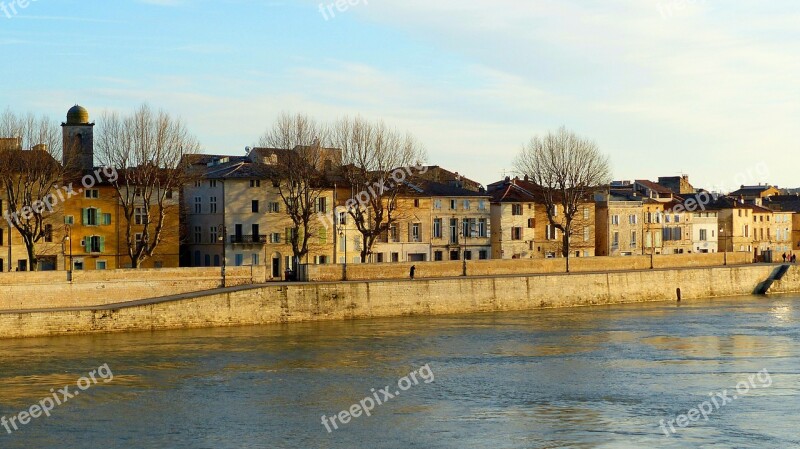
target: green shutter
85 216
102 244
87 244
106 219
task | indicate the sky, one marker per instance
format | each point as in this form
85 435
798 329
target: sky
707 88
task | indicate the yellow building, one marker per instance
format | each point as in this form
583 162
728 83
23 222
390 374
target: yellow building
619 225
95 227
513 221
736 225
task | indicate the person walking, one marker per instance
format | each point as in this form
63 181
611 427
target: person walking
413 271
784 257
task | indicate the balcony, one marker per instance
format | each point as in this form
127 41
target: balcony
249 239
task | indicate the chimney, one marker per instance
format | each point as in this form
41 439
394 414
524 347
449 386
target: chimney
526 178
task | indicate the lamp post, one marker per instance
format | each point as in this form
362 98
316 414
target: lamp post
223 231
724 247
68 240
343 236
463 250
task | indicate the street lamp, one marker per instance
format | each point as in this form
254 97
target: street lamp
724 247
223 231
463 251
343 237
68 238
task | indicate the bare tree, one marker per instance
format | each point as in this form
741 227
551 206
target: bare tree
377 161
299 173
146 148
565 169
31 177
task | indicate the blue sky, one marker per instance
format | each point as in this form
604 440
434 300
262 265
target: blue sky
709 88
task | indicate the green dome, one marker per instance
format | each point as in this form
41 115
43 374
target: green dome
77 115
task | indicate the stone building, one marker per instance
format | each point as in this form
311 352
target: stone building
620 224
234 210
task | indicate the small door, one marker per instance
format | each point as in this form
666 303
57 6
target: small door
276 267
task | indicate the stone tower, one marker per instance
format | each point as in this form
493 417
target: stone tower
78 135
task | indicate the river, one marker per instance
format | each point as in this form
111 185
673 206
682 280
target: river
601 377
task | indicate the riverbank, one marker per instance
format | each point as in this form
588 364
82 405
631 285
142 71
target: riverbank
287 303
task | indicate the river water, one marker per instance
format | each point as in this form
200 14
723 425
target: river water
600 377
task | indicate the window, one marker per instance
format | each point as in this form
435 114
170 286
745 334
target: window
140 216
254 260
516 209
394 236
95 244
255 183
437 228
482 228
395 257
677 218
453 230
615 240
274 207
212 204
100 265
254 206
92 193
169 194
357 243
438 256
69 219
465 229
106 219
483 254
198 234
323 236
416 232
516 233
416 202
454 255
555 211
289 233
452 204
633 238
551 232
212 183
585 213
275 237
213 233
322 205
586 232
238 260
90 217
466 204
48 233
482 205
633 219
615 219
342 218
531 223
667 219
198 205
437 204
703 235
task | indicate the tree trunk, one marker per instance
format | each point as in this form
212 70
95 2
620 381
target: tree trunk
565 250
33 261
